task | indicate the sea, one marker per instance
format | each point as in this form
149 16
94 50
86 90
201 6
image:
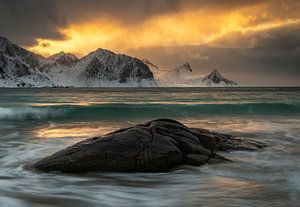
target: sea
35 123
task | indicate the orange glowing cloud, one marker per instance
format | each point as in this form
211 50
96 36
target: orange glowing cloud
184 28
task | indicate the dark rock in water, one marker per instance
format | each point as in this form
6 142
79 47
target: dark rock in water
156 146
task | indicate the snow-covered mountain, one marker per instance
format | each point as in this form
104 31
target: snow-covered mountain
176 77
19 67
184 76
105 68
101 68
60 59
216 79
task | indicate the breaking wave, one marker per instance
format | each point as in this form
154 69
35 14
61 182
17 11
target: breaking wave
111 111
22 113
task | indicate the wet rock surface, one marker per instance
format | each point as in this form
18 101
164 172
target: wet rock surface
156 146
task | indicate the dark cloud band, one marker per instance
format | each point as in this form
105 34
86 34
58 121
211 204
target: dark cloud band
273 57
25 20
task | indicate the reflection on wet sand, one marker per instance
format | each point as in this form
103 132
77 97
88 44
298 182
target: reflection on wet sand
232 184
60 104
73 130
243 124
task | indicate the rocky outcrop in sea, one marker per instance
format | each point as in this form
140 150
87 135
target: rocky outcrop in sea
156 146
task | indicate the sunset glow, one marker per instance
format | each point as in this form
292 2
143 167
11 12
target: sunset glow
185 28
149 103
245 40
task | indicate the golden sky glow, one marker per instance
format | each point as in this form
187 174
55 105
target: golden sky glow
184 28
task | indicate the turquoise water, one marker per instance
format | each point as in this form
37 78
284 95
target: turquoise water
37 122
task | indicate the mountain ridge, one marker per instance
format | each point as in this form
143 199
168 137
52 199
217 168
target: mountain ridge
22 68
184 76
100 68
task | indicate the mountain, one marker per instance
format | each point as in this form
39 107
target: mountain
101 68
60 59
19 67
184 76
63 58
16 61
157 72
216 79
176 77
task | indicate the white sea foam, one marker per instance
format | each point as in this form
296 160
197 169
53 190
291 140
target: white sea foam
21 113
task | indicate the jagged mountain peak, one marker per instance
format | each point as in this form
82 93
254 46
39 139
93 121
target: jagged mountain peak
185 67
177 76
100 54
183 70
215 74
101 51
60 59
104 66
107 57
59 54
62 55
6 46
101 68
13 50
215 78
16 61
184 76
4 42
3 38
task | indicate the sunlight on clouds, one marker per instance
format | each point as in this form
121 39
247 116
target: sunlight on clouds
246 37
185 28
80 39
175 29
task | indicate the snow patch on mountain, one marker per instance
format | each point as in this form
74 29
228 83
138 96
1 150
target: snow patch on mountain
101 68
60 59
216 79
177 76
19 67
103 65
184 76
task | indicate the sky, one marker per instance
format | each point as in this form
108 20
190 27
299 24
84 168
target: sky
254 42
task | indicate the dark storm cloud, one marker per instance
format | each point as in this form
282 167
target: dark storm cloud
138 10
273 60
123 10
286 37
263 57
23 21
134 11
281 37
